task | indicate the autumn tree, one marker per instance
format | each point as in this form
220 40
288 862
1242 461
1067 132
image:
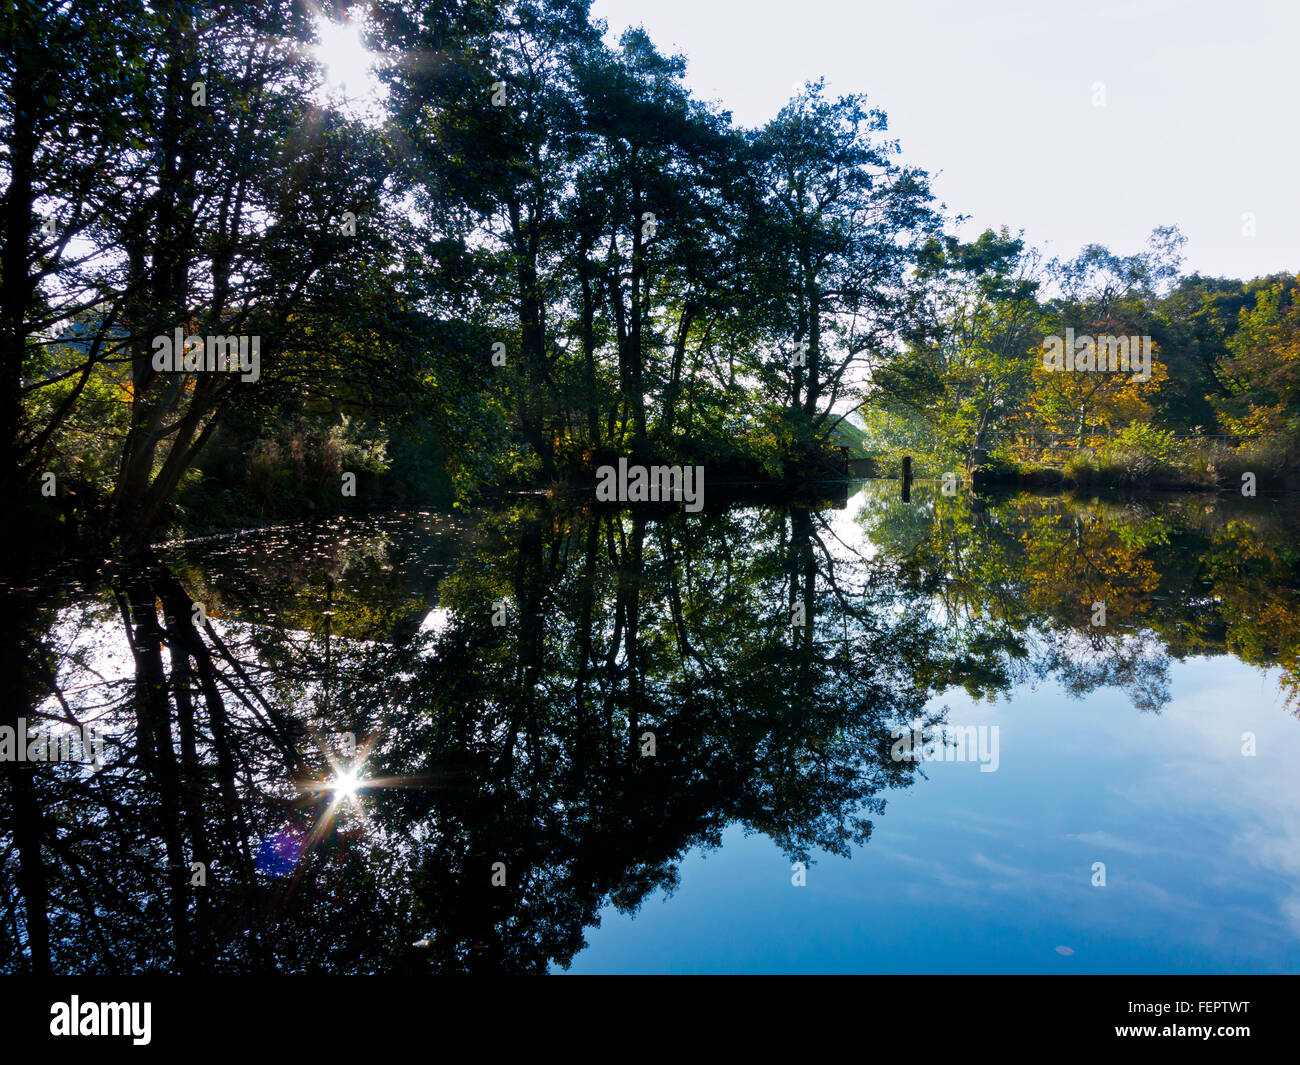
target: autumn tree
1260 369
1101 294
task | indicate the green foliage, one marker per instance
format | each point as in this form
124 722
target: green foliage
1141 442
659 280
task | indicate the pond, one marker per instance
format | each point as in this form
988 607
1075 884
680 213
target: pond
1023 733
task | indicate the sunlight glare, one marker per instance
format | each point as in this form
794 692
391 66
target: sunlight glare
346 784
350 80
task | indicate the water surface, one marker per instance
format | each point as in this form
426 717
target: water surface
644 740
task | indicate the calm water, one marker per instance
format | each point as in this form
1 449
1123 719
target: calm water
644 740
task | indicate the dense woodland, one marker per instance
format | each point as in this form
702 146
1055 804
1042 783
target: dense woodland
540 252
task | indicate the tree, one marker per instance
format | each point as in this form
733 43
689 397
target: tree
1103 294
843 224
969 368
72 84
1261 368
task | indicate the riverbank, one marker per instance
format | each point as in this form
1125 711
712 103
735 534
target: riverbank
1202 468
1150 460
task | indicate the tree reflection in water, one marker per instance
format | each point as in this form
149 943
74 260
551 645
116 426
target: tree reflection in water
506 678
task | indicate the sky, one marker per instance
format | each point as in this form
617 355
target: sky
999 99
